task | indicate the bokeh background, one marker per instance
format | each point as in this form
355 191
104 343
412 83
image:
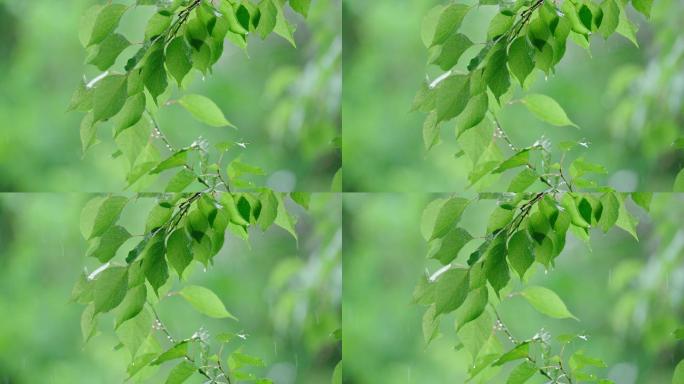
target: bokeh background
628 295
285 101
628 101
286 295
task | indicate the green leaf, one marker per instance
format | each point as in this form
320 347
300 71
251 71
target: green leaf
106 22
452 50
108 51
301 6
109 96
181 372
180 181
522 373
153 72
643 6
448 216
546 302
449 21
430 324
451 244
88 132
579 360
610 211
626 27
154 265
337 374
267 19
431 131
158 24
107 215
496 73
452 97
204 110
679 182
135 331
451 290
110 288
642 199
520 58
176 352
178 159
523 180
284 219
679 333
474 112
472 307
547 109
269 209
104 248
626 221
496 268
520 252
132 304
88 323
521 351
678 377
611 18
178 59
178 251
519 159
205 301
130 114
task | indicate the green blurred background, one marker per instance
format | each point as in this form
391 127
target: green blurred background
285 101
287 296
628 295
627 101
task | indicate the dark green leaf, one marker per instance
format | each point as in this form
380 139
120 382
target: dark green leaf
496 72
154 265
153 72
520 58
178 251
178 58
520 254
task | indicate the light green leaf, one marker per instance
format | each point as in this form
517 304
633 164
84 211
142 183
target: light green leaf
431 131
135 331
153 72
178 251
520 351
109 96
448 216
301 6
451 290
430 324
104 247
678 377
611 18
205 301
519 159
496 72
180 181
642 199
88 323
337 374
679 182
108 51
154 264
474 112
449 21
495 266
547 109
452 97
522 373
643 6
106 22
610 212
132 304
88 132
107 215
204 110
520 252
176 352
181 372
178 159
452 50
625 219
472 307
546 302
110 288
130 114
269 209
626 27
178 59
520 58
284 219
268 18
451 244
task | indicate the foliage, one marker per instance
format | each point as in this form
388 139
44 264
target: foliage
179 37
524 228
180 229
